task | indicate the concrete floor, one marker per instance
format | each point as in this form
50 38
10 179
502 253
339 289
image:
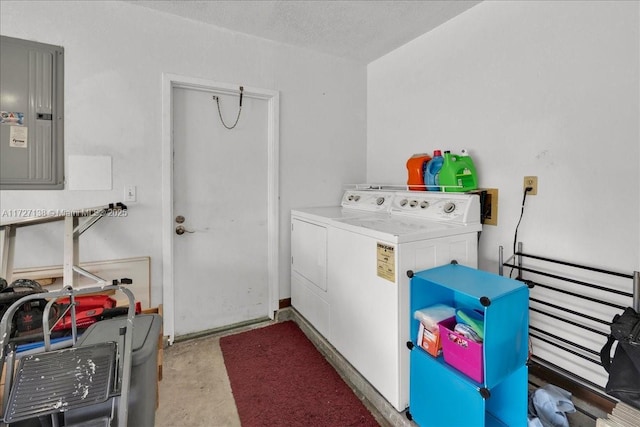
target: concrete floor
195 389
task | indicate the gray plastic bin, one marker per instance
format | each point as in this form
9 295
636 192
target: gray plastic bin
144 370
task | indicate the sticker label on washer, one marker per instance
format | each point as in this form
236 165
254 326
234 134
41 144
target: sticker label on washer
386 262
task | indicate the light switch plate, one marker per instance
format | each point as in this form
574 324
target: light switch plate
130 193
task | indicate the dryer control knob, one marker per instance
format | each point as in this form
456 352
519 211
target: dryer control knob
424 204
356 198
449 207
413 203
403 203
380 201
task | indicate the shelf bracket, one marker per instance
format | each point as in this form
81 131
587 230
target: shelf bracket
81 228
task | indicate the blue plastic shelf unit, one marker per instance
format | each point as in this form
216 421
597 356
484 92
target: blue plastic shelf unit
443 396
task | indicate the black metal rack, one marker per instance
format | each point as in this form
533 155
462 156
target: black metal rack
559 296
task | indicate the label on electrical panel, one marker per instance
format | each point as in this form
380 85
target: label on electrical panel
11 118
18 136
386 262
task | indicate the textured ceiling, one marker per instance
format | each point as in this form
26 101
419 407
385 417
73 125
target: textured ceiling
359 30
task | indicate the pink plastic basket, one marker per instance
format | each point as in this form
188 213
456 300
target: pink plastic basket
461 353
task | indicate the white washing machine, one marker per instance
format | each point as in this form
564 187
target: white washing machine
309 287
368 260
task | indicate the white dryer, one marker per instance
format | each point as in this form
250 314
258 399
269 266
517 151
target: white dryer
309 287
368 259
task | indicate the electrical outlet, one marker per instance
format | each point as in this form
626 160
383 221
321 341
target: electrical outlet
531 181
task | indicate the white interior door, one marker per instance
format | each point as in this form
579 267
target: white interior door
220 188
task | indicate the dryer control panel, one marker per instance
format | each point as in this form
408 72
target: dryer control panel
367 200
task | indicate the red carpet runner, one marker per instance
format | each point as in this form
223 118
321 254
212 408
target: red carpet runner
278 378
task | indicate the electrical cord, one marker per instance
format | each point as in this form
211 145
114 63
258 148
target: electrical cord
217 99
515 235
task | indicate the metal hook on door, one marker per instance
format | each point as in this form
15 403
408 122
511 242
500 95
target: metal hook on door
217 99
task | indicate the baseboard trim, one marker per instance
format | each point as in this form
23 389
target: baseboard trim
284 303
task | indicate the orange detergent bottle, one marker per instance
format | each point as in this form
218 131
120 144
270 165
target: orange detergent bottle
415 169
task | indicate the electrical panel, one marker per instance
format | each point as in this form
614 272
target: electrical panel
31 115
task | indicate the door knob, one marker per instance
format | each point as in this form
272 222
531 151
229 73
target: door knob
180 230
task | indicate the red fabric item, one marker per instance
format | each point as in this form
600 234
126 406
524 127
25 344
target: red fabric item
84 319
279 378
87 302
90 309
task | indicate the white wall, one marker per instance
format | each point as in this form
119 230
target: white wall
530 88
115 54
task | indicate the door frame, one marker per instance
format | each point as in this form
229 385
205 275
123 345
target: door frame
170 82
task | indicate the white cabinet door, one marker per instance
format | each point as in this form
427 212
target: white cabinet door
309 252
309 288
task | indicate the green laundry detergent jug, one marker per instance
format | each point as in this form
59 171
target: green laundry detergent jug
458 174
